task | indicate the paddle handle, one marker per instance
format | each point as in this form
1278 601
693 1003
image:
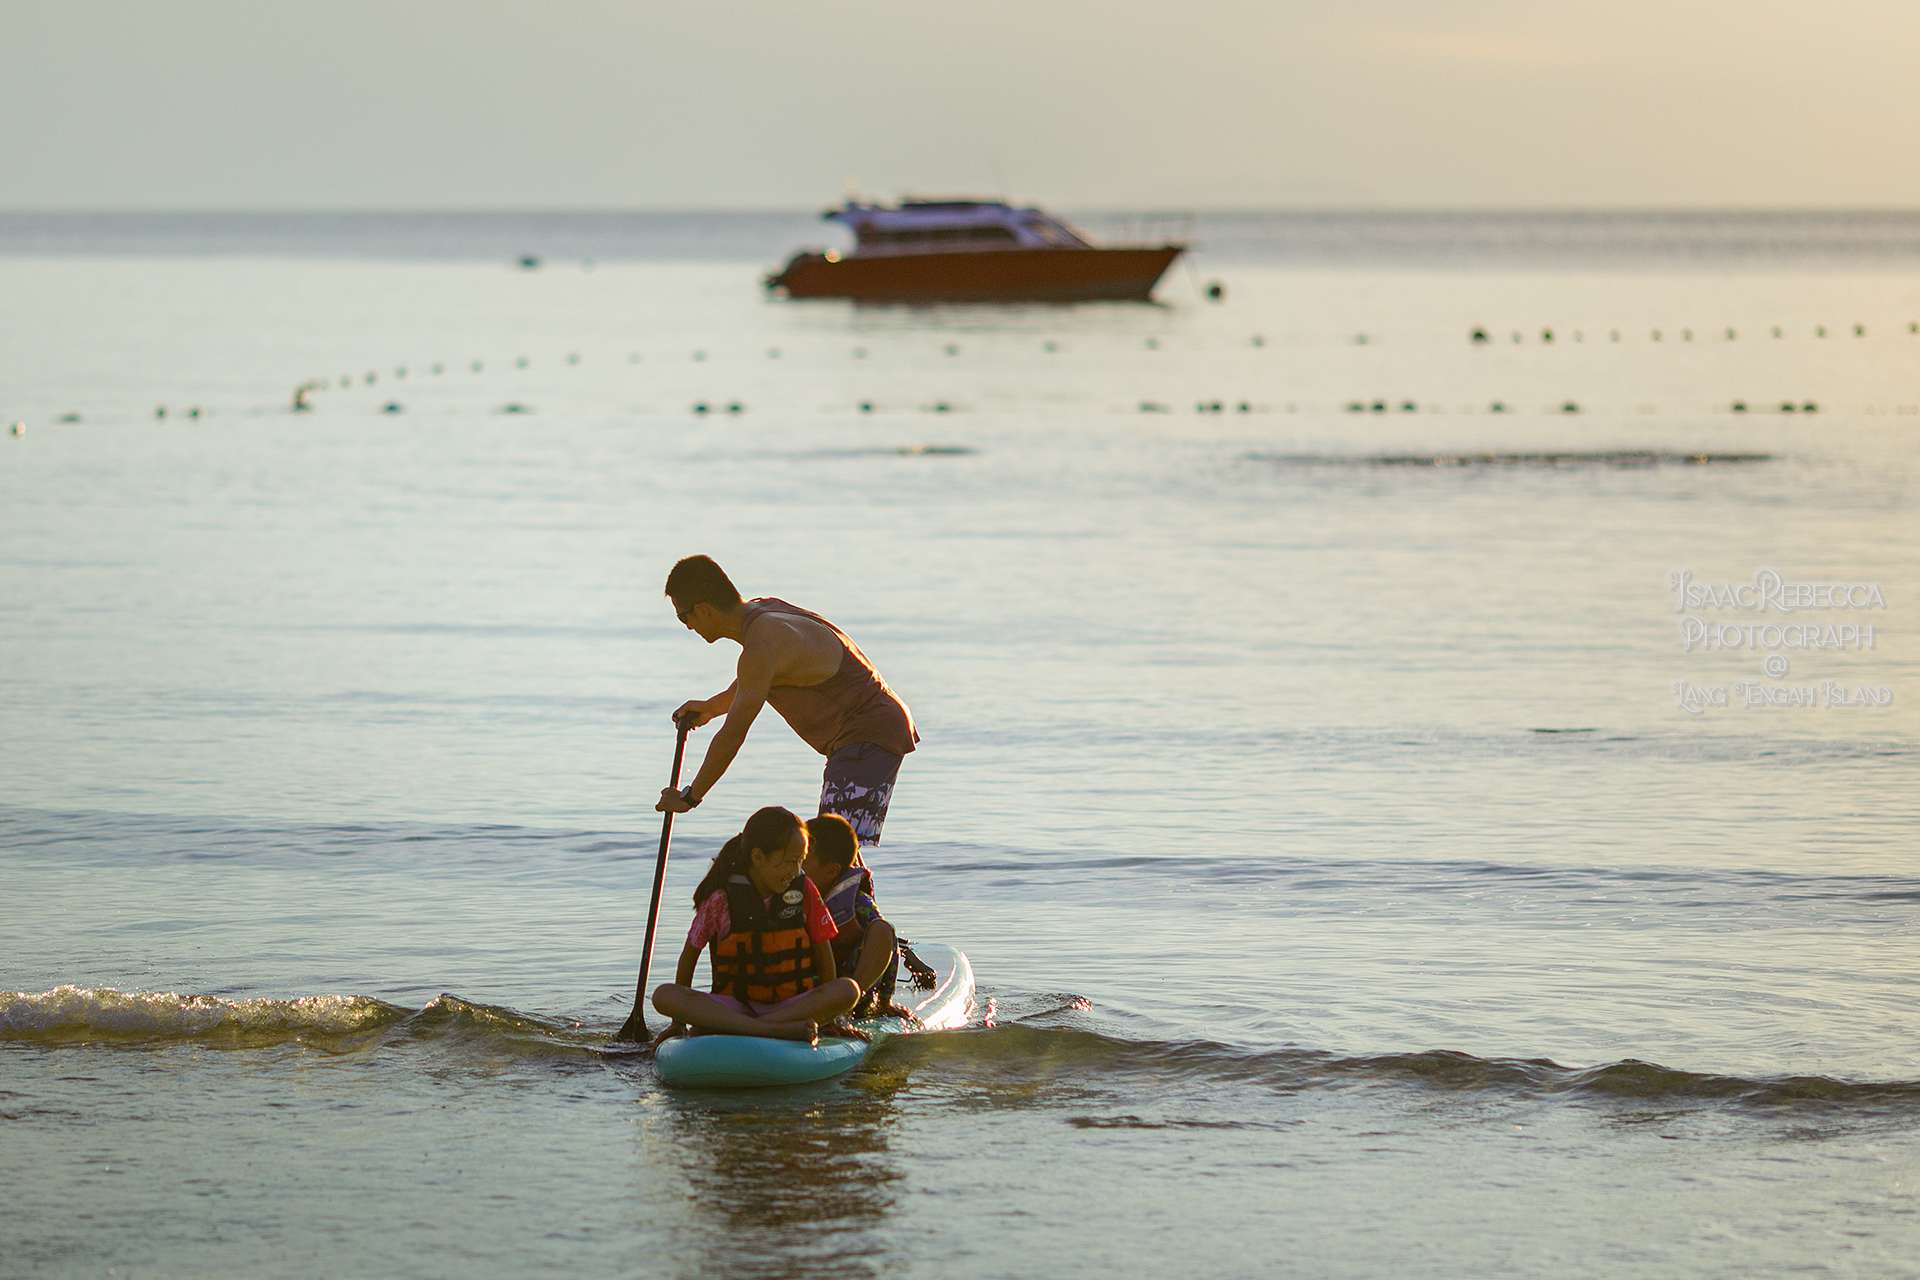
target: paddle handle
636 1024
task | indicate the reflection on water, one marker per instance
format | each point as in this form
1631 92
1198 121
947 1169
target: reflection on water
780 1182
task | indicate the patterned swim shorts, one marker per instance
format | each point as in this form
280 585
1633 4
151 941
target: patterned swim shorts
857 785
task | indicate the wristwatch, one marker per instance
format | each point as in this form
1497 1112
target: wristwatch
686 794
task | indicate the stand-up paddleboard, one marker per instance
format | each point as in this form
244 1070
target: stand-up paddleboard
746 1062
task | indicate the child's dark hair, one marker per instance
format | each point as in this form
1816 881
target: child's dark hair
769 830
831 837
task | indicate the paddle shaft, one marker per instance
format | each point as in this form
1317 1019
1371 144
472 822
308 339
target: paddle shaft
636 1024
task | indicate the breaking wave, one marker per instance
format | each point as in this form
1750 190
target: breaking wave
1026 1061
80 1015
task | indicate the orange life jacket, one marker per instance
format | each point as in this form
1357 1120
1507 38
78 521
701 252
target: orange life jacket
768 955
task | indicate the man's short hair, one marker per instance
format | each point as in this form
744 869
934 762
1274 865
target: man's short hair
698 580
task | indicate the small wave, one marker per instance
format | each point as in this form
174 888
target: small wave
80 1014
1593 458
1024 1057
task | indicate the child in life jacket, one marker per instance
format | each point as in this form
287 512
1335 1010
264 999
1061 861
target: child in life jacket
865 946
771 939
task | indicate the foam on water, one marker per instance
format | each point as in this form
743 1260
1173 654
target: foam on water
72 1014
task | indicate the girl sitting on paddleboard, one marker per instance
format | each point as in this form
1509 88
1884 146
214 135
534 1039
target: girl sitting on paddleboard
772 942
865 947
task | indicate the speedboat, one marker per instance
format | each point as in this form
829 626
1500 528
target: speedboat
957 250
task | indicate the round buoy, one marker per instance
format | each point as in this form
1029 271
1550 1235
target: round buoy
1243 407
439 369
1686 335
401 372
699 355
1259 341
952 350
859 353
393 406
1153 344
1739 406
1051 346
528 262
573 357
372 377
1408 406
1546 335
476 366
194 412
633 357
1359 339
1613 336
1379 406
1569 407
1579 336
1786 406
521 363
1496 407
700 407
1216 291
1656 335
1820 331
1480 335
773 353
19 428
734 407
942 407
866 406
1731 335
1859 331
1777 333
1809 407
159 411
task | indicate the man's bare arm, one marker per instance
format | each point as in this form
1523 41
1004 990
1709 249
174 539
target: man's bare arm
704 710
749 694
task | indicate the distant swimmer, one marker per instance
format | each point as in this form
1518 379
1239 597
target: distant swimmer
813 675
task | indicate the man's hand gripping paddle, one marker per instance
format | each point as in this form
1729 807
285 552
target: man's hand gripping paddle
635 1030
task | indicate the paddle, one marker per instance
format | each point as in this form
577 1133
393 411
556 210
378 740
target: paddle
635 1027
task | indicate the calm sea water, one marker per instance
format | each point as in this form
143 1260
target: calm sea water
1349 891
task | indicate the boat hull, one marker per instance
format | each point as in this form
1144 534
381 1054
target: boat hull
989 275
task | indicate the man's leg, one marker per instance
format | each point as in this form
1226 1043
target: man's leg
857 785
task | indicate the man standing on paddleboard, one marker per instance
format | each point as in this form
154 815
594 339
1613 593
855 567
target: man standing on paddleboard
817 679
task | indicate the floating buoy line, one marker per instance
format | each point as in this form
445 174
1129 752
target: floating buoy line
305 394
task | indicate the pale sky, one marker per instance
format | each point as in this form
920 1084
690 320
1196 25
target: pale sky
591 104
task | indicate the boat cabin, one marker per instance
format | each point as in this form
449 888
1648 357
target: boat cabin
946 226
